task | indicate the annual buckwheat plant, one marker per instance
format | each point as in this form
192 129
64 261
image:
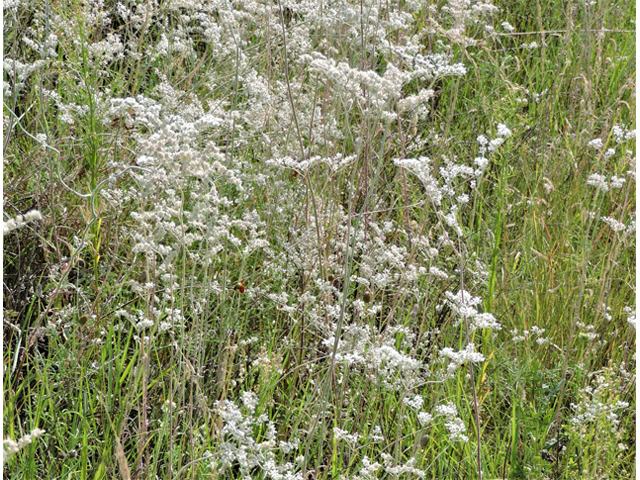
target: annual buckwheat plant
295 240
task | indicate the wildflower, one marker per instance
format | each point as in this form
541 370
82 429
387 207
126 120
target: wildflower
617 182
454 425
484 320
508 27
631 316
599 181
42 139
503 131
614 224
339 434
421 167
495 143
460 357
481 162
20 221
376 434
463 303
368 469
424 418
395 471
415 402
595 143
463 199
621 134
12 447
436 272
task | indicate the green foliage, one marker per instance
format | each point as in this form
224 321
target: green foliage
175 312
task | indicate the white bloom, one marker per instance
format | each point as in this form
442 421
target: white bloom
415 402
503 131
482 140
484 320
368 469
376 434
339 434
42 139
20 221
452 220
460 357
617 182
250 400
456 428
454 425
595 143
421 168
424 418
631 316
448 409
463 199
495 144
436 272
463 303
11 447
507 27
481 162
621 133
614 224
599 181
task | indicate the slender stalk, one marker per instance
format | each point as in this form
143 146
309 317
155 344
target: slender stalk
476 408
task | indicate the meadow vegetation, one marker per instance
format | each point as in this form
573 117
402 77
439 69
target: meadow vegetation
319 239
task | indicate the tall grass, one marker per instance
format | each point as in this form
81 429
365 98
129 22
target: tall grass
297 240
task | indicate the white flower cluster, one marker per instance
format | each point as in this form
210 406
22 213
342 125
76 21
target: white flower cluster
621 134
395 470
507 27
462 13
386 365
596 143
461 357
489 146
466 306
368 468
351 438
600 181
529 46
20 221
366 86
453 423
239 447
414 402
615 225
11 447
598 407
421 167
534 331
416 103
424 418
631 316
376 434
